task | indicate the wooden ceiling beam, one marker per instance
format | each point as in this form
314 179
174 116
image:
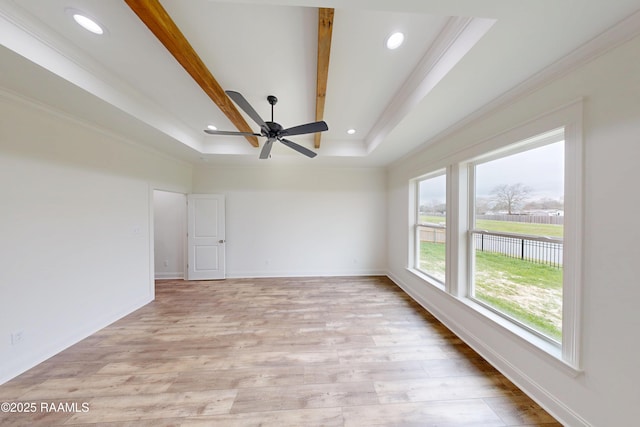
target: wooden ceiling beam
325 31
156 18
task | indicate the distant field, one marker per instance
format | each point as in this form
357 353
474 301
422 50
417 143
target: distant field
548 230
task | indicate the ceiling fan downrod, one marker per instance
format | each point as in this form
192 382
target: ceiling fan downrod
273 101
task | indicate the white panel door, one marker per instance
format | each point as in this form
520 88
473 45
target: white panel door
205 237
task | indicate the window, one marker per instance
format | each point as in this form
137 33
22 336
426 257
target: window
431 222
499 228
516 233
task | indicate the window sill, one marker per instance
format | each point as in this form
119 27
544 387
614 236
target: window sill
424 277
544 348
539 345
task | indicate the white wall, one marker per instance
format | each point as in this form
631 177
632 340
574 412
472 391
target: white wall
607 392
285 220
170 227
75 221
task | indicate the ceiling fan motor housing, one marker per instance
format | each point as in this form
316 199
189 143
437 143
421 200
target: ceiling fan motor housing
274 129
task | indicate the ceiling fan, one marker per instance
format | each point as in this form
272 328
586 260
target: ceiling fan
271 130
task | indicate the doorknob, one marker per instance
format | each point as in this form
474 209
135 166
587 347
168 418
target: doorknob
221 241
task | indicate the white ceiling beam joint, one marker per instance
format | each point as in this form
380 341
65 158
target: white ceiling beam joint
457 38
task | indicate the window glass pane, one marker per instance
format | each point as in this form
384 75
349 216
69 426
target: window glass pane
518 237
432 208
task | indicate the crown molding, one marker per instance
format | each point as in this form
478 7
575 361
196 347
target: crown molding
23 34
610 39
10 97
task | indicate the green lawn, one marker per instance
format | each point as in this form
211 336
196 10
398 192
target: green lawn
530 293
432 259
549 230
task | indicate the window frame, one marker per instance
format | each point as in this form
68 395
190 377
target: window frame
415 262
551 137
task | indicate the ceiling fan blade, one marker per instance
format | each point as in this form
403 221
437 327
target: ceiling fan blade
230 133
307 128
266 148
244 104
299 148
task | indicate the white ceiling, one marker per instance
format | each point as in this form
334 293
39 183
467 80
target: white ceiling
458 57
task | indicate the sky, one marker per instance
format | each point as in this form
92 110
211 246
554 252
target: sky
541 169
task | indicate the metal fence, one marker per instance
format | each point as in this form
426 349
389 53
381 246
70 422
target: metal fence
537 249
541 250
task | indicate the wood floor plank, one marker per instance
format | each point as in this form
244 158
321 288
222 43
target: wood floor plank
408 339
470 412
100 385
458 367
325 417
392 354
342 351
520 411
438 389
159 405
305 396
238 378
361 372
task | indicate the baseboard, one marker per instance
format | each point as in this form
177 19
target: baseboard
535 391
289 273
21 364
169 275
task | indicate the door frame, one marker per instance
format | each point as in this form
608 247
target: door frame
152 236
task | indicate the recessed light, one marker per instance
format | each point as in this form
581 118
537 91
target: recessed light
212 127
86 22
351 131
395 40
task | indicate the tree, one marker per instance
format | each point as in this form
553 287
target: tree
483 205
510 196
435 206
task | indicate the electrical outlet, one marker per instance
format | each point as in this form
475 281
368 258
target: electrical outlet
166 263
17 337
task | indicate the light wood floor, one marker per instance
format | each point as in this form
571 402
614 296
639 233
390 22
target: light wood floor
273 352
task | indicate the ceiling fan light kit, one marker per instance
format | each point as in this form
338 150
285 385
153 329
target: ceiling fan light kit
272 130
